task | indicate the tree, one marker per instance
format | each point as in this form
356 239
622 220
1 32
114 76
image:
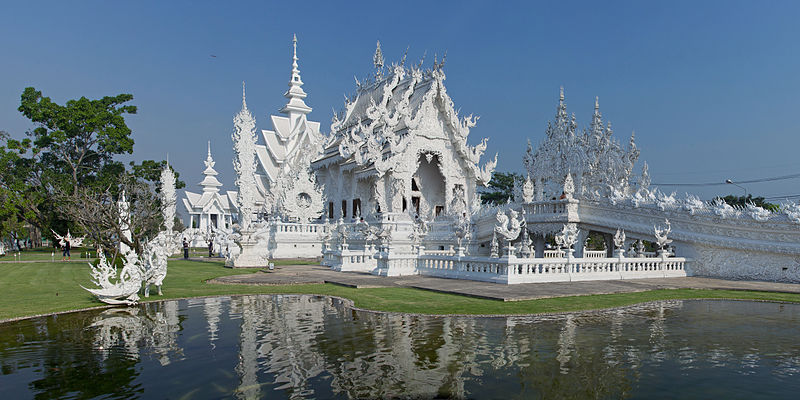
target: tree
501 187
81 137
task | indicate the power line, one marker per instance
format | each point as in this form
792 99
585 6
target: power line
771 179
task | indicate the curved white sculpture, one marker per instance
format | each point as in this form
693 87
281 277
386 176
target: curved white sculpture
125 290
661 235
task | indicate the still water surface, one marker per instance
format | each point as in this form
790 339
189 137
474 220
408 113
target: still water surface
314 347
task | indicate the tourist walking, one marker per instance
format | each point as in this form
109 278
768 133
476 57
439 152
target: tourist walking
185 249
65 255
210 248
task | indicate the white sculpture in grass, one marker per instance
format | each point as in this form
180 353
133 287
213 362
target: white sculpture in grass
113 290
157 250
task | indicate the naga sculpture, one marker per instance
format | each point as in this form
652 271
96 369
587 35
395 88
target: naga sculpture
509 227
126 288
661 235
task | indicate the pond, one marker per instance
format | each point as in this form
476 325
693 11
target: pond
316 347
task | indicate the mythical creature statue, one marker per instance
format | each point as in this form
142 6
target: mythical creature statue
509 226
758 213
665 202
154 257
661 234
568 236
724 209
792 211
693 204
125 290
619 238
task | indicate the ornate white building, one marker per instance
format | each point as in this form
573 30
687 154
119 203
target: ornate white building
211 208
284 180
399 147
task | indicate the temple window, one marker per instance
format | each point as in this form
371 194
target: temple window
330 209
356 207
344 208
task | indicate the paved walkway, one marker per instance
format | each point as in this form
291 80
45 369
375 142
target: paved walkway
294 274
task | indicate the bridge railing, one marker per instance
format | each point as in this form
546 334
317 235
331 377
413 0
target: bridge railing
530 270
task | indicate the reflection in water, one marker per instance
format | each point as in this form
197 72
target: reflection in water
152 328
313 347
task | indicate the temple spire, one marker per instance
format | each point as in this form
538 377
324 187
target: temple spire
244 106
210 182
296 106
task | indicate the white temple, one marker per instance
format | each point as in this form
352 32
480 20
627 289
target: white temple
400 147
394 190
210 209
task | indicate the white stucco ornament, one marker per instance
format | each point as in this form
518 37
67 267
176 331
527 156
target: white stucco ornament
527 190
302 200
244 163
568 236
508 226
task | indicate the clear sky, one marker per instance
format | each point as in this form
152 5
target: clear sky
710 87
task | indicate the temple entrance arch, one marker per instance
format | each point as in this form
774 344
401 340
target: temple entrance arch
428 186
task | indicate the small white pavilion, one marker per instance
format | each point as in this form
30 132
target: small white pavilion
209 209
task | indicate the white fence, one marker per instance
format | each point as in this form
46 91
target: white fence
531 270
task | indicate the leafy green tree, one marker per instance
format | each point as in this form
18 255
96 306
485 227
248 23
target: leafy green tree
500 188
78 139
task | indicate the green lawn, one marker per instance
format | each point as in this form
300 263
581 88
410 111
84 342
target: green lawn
39 288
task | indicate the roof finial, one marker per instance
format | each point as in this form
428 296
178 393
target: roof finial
561 95
596 103
209 149
377 59
294 44
295 94
244 100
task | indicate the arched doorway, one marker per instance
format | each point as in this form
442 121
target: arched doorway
428 186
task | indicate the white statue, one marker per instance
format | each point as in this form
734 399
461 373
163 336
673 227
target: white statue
693 204
125 290
792 211
619 239
568 236
661 235
528 191
758 213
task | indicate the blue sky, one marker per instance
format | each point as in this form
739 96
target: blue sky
711 88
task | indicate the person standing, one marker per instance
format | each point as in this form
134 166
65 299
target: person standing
185 249
65 255
210 248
